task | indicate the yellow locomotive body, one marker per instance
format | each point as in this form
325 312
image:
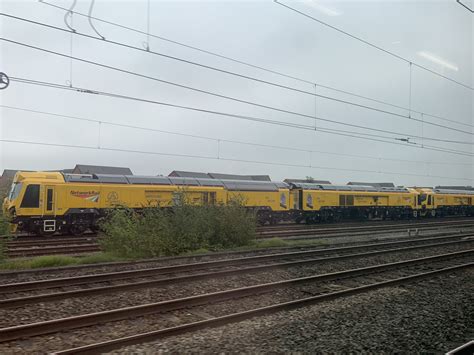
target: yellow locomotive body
46 202
318 202
444 202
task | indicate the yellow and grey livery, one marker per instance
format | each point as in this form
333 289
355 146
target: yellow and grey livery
50 202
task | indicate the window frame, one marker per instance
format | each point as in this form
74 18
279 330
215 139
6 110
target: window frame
36 195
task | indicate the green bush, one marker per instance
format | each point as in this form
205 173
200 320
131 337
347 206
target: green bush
4 226
176 230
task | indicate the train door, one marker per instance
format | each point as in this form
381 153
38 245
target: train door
49 206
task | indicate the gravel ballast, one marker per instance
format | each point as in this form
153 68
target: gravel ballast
7 277
75 306
430 316
83 336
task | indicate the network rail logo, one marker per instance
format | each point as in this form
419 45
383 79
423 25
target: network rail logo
92 196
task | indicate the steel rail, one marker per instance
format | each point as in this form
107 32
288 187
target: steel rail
301 235
48 242
109 345
51 250
122 275
354 231
355 225
56 325
50 297
6 273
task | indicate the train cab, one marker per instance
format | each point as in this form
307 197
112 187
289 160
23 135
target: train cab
31 201
425 202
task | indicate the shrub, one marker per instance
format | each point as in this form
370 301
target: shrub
51 261
175 230
4 226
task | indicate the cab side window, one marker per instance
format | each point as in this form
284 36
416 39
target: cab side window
429 200
31 197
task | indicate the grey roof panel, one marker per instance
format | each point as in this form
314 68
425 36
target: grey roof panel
374 184
79 178
191 174
245 185
455 187
148 180
96 178
305 181
454 192
230 177
329 187
239 177
210 182
281 184
183 181
97 169
110 179
260 177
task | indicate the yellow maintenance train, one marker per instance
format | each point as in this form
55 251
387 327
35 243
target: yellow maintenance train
50 202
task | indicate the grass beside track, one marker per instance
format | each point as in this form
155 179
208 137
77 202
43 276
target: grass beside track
48 261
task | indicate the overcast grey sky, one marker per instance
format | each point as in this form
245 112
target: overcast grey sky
435 34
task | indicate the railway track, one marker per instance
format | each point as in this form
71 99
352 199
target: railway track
365 223
24 246
109 345
54 246
216 268
269 297
316 230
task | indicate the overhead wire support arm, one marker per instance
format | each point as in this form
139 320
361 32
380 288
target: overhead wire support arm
364 136
465 6
223 57
256 104
90 19
366 42
147 43
69 13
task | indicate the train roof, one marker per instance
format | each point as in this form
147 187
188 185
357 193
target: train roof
453 191
373 184
218 176
232 185
454 188
99 169
330 187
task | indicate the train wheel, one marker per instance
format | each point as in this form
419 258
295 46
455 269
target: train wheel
77 229
43 233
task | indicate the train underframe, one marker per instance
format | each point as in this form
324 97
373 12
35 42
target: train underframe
76 222
334 214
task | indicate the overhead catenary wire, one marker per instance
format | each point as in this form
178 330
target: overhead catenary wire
218 140
312 93
99 93
220 158
465 6
69 13
238 116
279 73
89 17
312 117
374 45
